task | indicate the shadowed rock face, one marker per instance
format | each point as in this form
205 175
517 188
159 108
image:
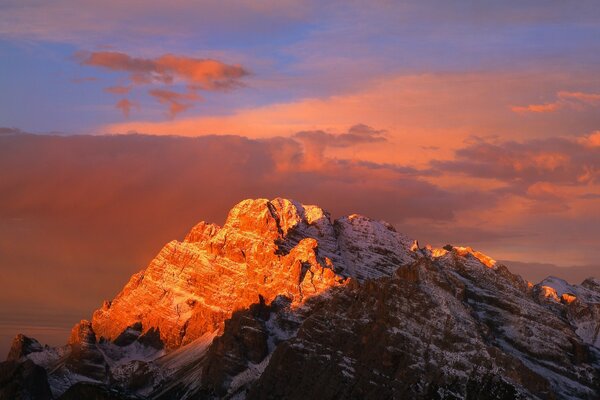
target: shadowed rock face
23 380
91 391
22 346
412 335
281 302
85 357
244 341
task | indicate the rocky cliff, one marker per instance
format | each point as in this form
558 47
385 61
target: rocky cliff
282 302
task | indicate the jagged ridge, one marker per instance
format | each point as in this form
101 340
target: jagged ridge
362 310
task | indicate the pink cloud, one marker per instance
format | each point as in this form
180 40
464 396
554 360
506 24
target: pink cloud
416 111
198 73
177 102
564 99
125 106
195 73
527 162
591 140
536 108
120 90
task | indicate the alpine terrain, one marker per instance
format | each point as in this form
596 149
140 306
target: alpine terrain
283 303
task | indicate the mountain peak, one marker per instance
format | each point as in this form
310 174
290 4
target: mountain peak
265 248
21 346
359 308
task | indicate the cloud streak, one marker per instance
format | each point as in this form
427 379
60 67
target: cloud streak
125 106
119 90
316 142
564 100
177 102
197 73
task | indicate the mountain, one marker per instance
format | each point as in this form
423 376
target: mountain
281 302
536 272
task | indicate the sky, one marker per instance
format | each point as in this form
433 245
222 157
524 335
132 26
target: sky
124 123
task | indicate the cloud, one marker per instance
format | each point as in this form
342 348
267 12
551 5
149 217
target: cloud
133 22
125 106
197 73
590 196
402 105
120 90
564 99
315 142
177 102
85 79
591 140
532 178
537 108
562 161
357 134
9 131
194 73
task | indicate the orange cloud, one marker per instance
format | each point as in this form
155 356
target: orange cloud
536 108
547 173
125 106
564 99
315 142
198 73
591 140
417 111
195 73
177 102
120 90
588 98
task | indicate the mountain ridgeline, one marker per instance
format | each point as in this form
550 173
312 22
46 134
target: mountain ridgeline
282 303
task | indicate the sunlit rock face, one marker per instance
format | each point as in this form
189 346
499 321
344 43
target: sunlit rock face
283 303
580 304
266 248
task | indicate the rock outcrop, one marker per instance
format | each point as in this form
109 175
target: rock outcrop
85 358
22 346
23 380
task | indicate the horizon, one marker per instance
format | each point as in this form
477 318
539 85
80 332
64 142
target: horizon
122 126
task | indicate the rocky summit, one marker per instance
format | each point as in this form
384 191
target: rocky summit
281 302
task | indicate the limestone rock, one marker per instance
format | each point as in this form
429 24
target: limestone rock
282 302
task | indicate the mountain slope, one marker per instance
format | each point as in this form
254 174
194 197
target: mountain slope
281 302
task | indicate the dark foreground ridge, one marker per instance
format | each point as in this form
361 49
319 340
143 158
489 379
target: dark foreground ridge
283 303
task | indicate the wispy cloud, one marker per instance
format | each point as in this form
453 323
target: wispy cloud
591 140
119 90
125 106
564 99
197 73
84 79
177 102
